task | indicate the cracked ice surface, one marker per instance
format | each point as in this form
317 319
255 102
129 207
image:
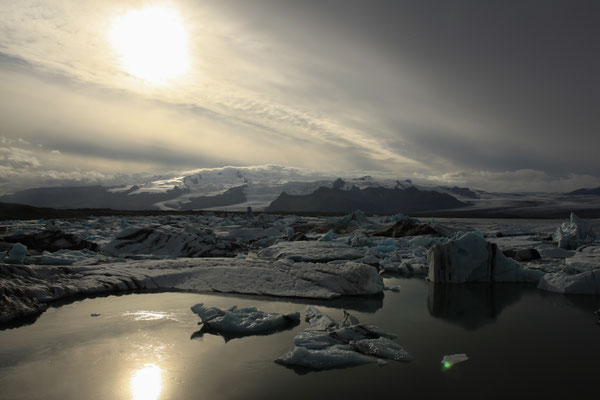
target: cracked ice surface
312 251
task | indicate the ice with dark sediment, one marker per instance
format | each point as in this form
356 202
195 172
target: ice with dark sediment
471 258
244 321
167 241
325 345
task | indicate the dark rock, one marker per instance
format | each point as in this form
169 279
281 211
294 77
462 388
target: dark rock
52 240
337 227
405 227
586 192
522 254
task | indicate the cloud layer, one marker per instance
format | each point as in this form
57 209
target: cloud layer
497 96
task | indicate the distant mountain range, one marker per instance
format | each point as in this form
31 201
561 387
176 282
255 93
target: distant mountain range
281 189
377 200
586 192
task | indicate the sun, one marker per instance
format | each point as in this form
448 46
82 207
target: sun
152 44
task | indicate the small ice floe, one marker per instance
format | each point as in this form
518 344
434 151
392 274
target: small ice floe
572 234
239 322
324 345
328 237
449 360
16 254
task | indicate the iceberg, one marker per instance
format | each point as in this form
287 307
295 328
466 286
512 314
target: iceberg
324 345
471 258
335 356
570 235
243 321
16 254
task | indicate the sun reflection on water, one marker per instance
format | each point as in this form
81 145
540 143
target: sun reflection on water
144 315
146 383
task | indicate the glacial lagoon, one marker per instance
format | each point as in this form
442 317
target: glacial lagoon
521 342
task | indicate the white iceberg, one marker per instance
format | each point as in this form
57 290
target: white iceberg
570 235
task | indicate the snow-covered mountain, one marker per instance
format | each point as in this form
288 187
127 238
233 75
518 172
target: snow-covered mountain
235 188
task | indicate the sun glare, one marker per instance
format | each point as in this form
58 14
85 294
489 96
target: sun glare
152 43
146 383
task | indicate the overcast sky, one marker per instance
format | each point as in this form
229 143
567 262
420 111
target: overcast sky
497 95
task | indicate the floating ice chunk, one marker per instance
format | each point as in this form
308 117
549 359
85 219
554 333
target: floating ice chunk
355 218
349 319
582 283
317 339
245 320
207 313
317 321
336 356
554 252
328 237
67 257
471 258
450 360
386 246
381 348
360 240
252 234
17 254
165 242
312 251
571 235
324 345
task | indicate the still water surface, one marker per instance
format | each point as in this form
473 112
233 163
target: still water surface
521 343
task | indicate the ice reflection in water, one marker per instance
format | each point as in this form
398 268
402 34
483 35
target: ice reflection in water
146 383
